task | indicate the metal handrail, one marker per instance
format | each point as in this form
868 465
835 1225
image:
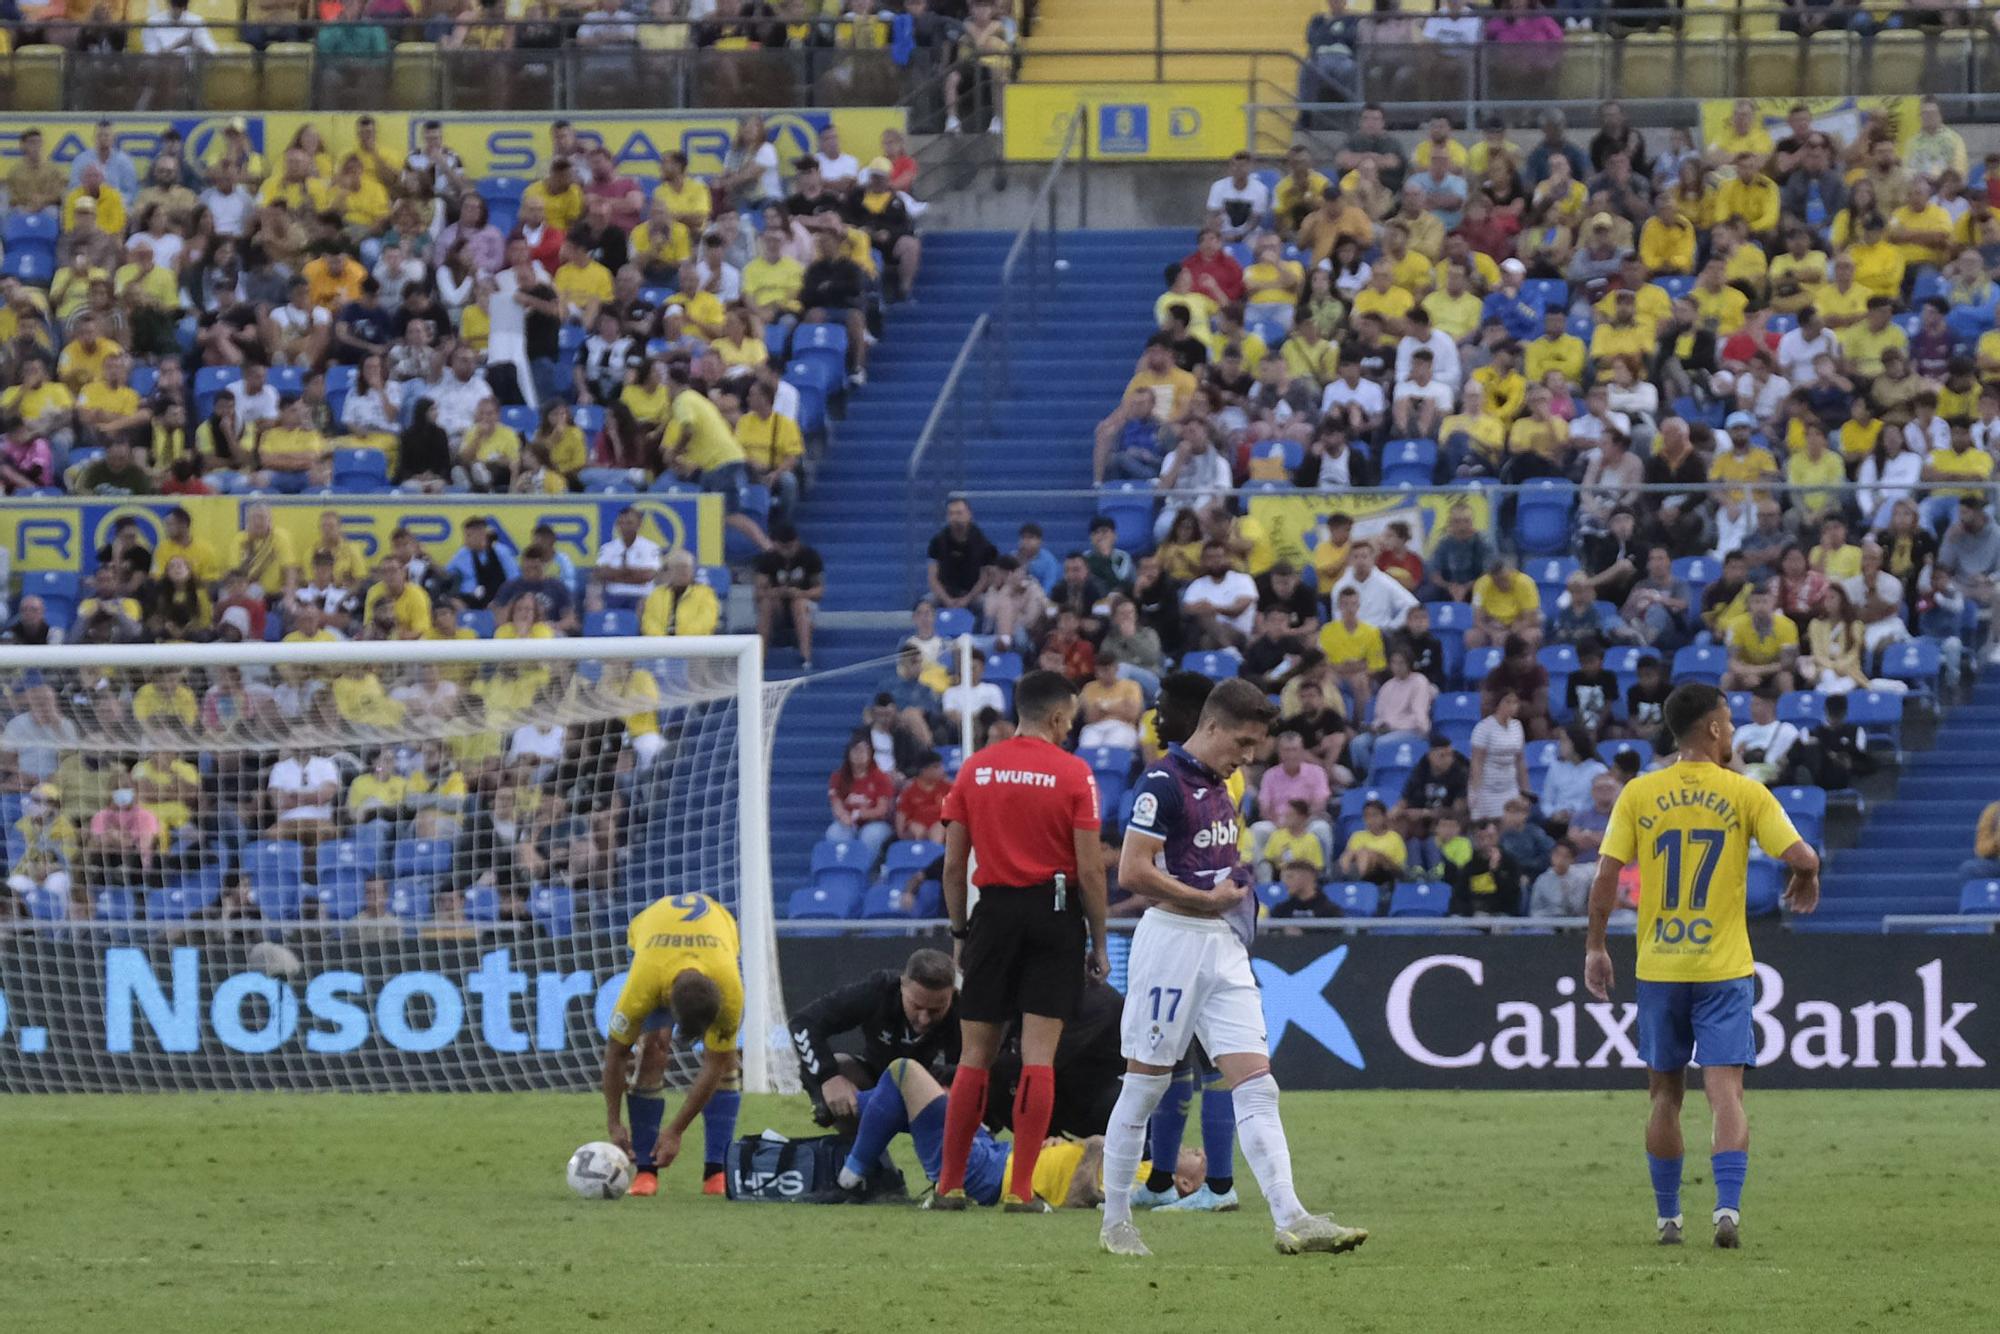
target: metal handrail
947 393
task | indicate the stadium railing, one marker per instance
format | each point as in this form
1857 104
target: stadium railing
937 458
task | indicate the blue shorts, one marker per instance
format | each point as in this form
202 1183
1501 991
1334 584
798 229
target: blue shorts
727 481
1679 1021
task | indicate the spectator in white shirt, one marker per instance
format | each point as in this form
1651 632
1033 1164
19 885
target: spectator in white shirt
627 564
1444 352
1384 600
228 203
717 274
969 699
256 397
1453 25
1597 420
302 790
1222 603
1926 433
1355 402
837 169
1801 347
174 29
1422 401
459 394
1239 201
1197 474
1764 743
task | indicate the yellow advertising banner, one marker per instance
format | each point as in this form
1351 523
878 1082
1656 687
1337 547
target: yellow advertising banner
1838 116
1294 519
44 535
491 145
1186 122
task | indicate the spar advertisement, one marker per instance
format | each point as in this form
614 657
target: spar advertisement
85 1009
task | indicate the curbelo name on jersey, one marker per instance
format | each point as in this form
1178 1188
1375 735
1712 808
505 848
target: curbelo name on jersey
683 940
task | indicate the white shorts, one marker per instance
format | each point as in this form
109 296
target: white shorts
1187 978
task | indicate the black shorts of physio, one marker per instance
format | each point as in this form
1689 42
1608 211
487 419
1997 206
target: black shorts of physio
1022 955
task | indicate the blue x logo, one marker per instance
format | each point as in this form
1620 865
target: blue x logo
1300 998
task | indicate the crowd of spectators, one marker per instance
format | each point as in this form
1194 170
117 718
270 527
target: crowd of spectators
1759 376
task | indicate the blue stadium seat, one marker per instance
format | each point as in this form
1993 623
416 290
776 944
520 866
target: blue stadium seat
1558 660
1003 667
420 859
1409 462
1289 454
44 225
365 466
478 620
519 418
1880 714
1420 898
1455 714
1402 755
340 899
906 857
1675 285
1112 766
345 864
1804 709
954 757
31 264
1699 572
411 899
45 905
277 870
955 621
1353 801
1356 898
177 903
208 382
1764 884
114 904
482 904
553 908
1701 662
1480 662
837 901
1129 505
1915 661
1545 292
1807 807
1551 577
841 864
1610 750
1449 622
1739 707
610 624
1270 893
823 349
884 900
1215 664
145 379
1980 896
59 590
1542 516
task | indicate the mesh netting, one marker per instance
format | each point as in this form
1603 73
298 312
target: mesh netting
351 869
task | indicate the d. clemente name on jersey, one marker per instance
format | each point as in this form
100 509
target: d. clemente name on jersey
1687 796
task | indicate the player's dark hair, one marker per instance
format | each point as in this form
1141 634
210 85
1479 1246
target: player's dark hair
696 1003
931 970
1687 706
1235 702
1038 693
1179 706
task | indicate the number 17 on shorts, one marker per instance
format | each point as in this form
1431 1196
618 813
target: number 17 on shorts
1188 978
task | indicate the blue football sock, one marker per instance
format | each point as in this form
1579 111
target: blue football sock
927 1134
1729 1168
1218 1135
1666 1185
1166 1129
645 1109
718 1128
882 1119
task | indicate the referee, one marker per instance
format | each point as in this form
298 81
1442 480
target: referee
1026 811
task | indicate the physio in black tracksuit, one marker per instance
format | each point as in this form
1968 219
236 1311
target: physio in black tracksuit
912 1014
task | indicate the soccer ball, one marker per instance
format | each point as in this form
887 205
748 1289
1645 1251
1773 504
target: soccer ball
600 1171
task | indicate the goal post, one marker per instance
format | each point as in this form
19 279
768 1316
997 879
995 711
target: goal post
219 854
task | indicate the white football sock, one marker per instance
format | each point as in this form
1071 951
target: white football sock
1262 1136
1125 1141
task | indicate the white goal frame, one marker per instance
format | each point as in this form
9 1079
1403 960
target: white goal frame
756 912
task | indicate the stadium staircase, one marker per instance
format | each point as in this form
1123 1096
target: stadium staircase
1906 856
1064 374
1203 41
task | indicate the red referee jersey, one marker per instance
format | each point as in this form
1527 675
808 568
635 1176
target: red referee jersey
1022 801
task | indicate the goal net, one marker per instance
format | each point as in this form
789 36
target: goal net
368 865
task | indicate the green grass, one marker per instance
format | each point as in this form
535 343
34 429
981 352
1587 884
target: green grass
1490 1213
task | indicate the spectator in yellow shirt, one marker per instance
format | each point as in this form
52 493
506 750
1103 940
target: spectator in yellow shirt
1504 601
1556 350
1667 241
1298 191
296 187
1745 133
1864 345
287 450
1921 229
1714 299
1744 460
1455 307
101 201
1750 195
1878 262
1353 647
561 196
83 357
361 200
1335 218
687 200
680 604
263 554
772 281
1620 336
582 283
772 447
489 452
408 607
699 441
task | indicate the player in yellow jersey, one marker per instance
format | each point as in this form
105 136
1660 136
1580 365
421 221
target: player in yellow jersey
1689 826
685 977
1182 695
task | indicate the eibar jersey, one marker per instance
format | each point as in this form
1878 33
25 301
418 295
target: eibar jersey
1186 804
1689 827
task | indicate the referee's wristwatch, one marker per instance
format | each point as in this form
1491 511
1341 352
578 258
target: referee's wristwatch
959 932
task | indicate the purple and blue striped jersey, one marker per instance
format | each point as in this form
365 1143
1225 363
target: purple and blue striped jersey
1187 804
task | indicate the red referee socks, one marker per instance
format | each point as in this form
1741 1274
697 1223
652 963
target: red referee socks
1034 1104
963 1111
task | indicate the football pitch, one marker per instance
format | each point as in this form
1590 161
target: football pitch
1489 1212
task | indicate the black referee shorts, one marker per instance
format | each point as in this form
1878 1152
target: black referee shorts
1021 956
